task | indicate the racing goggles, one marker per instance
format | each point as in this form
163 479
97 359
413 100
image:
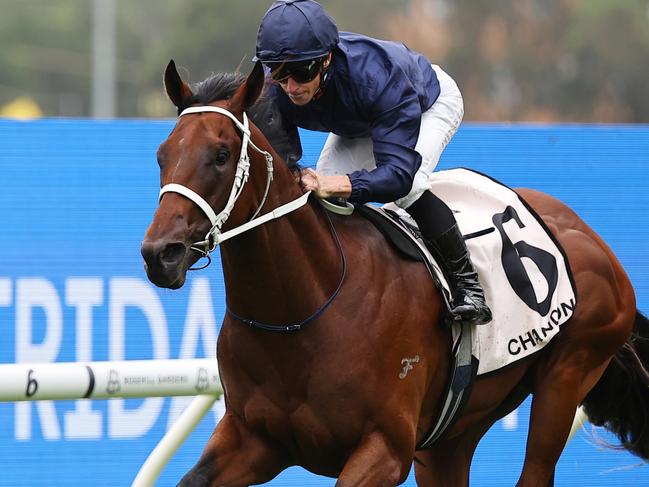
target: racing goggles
301 71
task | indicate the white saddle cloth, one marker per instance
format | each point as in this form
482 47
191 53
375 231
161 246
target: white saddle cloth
524 274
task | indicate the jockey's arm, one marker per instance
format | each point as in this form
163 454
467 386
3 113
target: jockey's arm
335 186
394 132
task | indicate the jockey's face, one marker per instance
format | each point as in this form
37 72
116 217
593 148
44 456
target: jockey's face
301 93
300 81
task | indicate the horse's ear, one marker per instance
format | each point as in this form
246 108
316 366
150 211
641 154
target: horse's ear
177 90
249 91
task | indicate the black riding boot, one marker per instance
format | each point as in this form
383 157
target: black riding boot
441 234
468 297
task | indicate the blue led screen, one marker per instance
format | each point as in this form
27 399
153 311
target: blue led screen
76 199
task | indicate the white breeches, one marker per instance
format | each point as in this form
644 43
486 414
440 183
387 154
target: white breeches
438 124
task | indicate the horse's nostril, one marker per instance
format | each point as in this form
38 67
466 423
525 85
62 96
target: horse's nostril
158 254
148 251
172 254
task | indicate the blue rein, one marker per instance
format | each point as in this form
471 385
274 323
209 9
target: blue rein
300 324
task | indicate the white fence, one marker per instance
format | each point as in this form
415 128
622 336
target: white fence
125 379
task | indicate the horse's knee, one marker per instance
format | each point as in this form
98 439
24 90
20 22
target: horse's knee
389 473
376 463
198 476
234 457
191 479
396 471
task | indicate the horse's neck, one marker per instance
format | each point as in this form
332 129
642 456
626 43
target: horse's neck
283 270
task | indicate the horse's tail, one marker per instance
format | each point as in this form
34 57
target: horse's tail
620 400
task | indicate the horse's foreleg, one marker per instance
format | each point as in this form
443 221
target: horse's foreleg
551 481
375 463
448 462
233 457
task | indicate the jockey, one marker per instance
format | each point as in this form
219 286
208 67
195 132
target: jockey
375 98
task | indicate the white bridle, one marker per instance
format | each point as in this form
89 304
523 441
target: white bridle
214 237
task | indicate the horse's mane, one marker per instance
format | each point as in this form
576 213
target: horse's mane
264 114
218 86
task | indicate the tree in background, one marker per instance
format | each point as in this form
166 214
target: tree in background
515 60
44 54
534 60
608 41
205 36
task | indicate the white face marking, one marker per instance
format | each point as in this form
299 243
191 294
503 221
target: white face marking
173 175
180 144
407 365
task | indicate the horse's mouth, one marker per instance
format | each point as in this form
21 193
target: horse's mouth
178 283
167 279
166 262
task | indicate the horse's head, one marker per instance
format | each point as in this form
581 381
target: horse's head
202 154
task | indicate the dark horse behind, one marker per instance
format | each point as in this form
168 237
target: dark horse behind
328 395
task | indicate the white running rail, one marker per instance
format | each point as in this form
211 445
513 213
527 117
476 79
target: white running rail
125 379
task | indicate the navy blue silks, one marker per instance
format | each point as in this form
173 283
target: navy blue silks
373 88
376 89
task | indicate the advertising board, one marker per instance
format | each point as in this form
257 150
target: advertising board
76 199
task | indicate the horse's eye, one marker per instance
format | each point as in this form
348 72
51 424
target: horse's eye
222 157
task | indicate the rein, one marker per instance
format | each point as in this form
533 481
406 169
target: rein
300 324
214 236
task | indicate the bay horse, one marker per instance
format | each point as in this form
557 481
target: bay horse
321 311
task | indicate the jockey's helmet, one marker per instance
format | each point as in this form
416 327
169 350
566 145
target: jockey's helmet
295 30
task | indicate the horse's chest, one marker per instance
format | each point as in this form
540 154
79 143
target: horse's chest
312 400
311 434
299 409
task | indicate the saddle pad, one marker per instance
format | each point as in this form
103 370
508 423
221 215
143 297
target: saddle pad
522 269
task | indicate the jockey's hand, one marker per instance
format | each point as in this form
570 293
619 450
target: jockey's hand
337 186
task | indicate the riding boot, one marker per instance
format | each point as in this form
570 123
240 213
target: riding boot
468 297
443 238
